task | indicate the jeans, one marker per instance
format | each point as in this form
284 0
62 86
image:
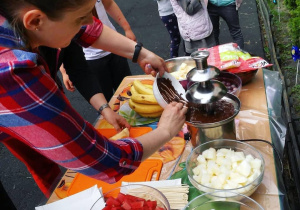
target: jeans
231 16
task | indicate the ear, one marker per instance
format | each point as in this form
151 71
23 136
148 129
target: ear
33 19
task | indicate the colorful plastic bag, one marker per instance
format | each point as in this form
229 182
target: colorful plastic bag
231 58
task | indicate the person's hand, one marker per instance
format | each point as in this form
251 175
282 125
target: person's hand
68 83
117 121
151 63
130 35
172 118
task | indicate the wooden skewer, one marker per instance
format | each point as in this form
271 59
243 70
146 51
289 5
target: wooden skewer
176 195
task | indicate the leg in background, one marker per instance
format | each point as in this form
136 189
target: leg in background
119 68
231 17
171 24
100 67
215 20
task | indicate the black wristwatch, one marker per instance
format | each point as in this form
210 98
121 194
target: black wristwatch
103 107
137 51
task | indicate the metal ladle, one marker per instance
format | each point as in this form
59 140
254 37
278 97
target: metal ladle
204 91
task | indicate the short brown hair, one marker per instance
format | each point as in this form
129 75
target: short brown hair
54 9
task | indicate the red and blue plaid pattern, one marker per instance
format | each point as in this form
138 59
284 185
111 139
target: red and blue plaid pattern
34 111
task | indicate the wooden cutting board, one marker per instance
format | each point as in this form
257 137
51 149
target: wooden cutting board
145 172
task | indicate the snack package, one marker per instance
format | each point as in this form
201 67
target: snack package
231 58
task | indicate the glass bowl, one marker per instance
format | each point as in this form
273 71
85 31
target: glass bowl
232 82
222 200
234 181
143 195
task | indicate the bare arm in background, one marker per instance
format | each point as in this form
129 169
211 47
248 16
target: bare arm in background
115 13
117 121
116 43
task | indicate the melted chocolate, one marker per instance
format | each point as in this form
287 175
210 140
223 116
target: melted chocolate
197 113
167 91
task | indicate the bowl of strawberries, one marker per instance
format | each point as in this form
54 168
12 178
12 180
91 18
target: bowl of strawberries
134 196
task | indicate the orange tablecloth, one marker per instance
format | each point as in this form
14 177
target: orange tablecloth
251 123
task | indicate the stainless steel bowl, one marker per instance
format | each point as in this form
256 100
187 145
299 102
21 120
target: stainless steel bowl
174 64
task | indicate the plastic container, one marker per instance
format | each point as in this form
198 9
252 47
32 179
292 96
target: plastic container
217 201
234 145
138 190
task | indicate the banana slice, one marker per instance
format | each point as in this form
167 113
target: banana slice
123 134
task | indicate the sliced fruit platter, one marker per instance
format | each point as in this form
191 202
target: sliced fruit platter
143 101
137 104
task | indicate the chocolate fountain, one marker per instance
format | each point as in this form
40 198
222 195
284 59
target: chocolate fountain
211 109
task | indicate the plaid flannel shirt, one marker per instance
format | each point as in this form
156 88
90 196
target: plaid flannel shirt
35 112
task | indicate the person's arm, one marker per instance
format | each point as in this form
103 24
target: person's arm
67 82
87 83
116 120
100 36
97 100
114 11
112 41
77 68
170 123
48 124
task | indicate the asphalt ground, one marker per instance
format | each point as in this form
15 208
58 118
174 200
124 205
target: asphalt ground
148 28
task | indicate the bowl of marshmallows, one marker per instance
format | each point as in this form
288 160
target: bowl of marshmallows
226 165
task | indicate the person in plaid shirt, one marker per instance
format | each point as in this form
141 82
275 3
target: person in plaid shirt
37 123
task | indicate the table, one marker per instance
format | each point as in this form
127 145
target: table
252 122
